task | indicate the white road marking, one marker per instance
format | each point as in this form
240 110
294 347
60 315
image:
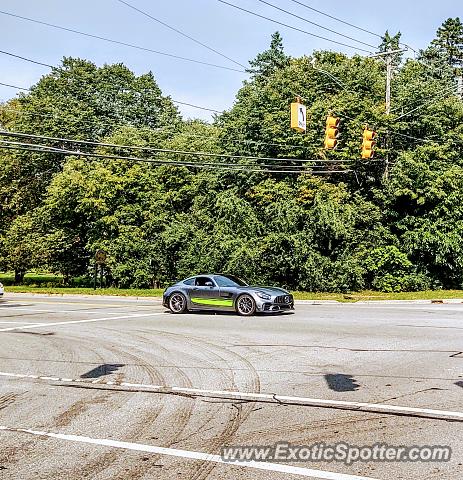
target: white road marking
54 324
260 397
41 310
123 301
208 457
20 323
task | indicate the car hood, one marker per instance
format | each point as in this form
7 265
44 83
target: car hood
275 291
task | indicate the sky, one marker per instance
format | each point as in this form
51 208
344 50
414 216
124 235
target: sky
234 33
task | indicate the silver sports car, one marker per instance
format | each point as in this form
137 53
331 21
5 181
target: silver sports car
225 292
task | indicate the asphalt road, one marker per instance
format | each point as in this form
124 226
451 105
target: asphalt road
121 389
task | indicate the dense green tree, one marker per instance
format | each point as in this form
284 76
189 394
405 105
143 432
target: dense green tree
449 40
267 62
160 221
76 100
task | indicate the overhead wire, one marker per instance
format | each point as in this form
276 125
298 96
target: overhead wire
292 27
14 86
118 42
165 129
284 145
337 19
26 59
438 93
166 150
199 107
314 23
146 14
430 102
176 163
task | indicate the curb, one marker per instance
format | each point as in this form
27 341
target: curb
122 298
71 296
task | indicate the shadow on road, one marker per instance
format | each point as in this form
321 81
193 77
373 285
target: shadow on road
233 314
339 382
102 370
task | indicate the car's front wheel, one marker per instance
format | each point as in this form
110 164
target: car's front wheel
245 305
177 303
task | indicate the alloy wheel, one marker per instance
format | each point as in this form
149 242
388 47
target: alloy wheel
177 303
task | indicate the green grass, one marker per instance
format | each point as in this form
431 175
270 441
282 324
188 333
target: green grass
86 291
351 297
372 295
44 277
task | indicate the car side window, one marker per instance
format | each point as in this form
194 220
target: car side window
189 281
204 282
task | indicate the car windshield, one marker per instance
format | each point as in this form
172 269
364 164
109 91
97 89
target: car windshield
229 281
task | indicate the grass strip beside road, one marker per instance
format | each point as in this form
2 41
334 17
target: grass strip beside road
340 297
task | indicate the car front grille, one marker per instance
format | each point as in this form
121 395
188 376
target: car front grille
286 299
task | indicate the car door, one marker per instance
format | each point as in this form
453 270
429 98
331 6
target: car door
205 293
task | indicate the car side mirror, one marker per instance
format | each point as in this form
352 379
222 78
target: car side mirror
209 284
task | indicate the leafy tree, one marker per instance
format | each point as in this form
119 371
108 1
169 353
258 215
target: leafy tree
76 100
449 40
267 62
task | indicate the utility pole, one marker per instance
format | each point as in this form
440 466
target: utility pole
388 58
459 81
388 81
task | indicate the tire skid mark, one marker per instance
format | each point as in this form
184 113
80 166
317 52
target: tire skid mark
235 413
105 461
180 419
14 454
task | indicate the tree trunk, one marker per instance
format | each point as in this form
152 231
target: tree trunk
18 277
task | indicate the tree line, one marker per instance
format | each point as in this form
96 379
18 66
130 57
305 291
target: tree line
391 226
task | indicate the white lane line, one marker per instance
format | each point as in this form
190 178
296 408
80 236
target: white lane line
91 320
260 397
41 310
20 323
208 457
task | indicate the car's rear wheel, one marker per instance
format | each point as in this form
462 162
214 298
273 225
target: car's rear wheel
177 303
245 305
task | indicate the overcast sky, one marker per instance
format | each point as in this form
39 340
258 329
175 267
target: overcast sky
234 33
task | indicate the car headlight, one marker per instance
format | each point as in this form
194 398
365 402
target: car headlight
264 296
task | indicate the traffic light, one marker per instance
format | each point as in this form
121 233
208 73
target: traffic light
369 143
331 132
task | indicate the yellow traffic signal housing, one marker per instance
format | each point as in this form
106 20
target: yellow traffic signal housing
298 117
368 144
331 132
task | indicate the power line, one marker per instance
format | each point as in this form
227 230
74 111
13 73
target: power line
26 59
207 109
337 19
293 28
424 105
314 23
146 14
187 134
118 42
14 86
439 93
233 167
411 137
172 99
347 23
166 150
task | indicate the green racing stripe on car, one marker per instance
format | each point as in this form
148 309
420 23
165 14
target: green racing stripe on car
219 302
